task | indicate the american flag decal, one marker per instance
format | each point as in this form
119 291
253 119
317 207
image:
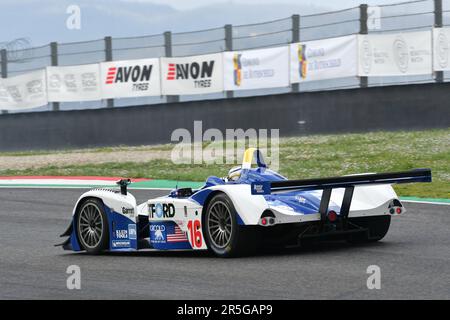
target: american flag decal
171 73
177 235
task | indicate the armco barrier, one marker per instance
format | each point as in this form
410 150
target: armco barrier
407 107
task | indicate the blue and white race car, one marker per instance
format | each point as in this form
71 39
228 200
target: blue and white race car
253 206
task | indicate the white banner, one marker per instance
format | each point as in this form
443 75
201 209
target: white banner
324 59
256 69
130 78
398 54
441 49
24 91
74 83
192 75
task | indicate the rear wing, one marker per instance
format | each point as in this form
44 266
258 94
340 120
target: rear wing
268 187
347 182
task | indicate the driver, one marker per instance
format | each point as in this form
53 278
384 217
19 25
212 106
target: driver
234 174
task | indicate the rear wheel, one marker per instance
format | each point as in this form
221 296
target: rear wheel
92 226
224 236
377 227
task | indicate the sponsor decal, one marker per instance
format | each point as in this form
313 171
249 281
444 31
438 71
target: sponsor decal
128 211
395 54
121 243
303 63
35 87
14 92
158 233
261 188
258 188
122 234
137 75
164 210
23 91
130 78
401 54
132 232
323 59
366 56
54 81
300 199
442 50
256 69
70 82
192 75
237 68
201 73
74 83
89 81
177 235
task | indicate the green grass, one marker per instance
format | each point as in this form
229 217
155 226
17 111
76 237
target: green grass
307 157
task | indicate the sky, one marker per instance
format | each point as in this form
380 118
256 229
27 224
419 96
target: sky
43 21
187 5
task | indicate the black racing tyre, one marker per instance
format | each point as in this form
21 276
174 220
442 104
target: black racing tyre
377 227
224 236
92 226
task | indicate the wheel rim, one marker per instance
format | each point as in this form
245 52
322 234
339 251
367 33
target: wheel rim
219 224
90 224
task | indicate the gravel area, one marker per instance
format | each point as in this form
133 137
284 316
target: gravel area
79 158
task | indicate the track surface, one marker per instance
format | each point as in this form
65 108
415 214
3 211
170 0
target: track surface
414 259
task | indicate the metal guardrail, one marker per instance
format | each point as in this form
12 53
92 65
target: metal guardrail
412 15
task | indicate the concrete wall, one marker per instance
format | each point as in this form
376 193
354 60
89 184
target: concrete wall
405 107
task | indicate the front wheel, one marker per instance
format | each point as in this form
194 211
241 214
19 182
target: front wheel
224 236
92 226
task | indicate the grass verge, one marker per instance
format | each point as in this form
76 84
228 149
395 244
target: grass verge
299 157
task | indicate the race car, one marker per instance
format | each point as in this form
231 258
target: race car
252 207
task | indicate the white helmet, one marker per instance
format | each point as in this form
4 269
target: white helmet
234 173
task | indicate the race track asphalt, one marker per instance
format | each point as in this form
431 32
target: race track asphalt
414 259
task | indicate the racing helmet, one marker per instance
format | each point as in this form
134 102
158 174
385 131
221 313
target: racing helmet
234 173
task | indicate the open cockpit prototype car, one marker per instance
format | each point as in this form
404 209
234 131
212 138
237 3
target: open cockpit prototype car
230 216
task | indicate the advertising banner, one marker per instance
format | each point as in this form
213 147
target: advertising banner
24 91
74 83
192 75
400 54
441 46
130 78
324 59
6 101
256 69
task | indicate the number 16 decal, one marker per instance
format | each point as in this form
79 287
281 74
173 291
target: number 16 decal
194 230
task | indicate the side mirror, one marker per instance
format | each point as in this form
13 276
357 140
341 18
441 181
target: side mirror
123 184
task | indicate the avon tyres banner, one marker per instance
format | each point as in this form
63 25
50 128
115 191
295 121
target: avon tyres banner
74 83
324 59
441 49
24 91
256 69
130 78
398 54
192 75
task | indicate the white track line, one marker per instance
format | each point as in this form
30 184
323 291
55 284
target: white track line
427 202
